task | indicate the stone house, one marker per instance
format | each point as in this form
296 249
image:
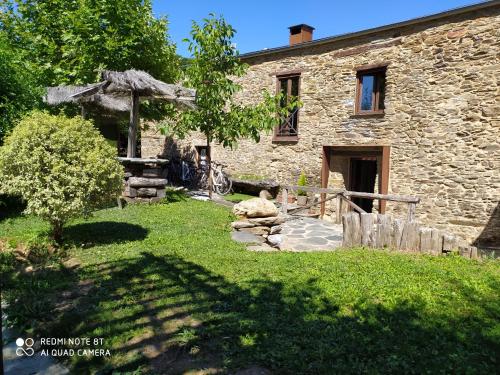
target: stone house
409 108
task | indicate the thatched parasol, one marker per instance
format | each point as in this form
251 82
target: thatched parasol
121 92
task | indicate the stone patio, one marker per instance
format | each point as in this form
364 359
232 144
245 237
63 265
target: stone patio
298 234
308 234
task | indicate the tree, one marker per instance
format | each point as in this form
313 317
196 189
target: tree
211 71
72 40
62 167
18 90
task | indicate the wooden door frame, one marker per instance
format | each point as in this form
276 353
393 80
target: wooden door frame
381 152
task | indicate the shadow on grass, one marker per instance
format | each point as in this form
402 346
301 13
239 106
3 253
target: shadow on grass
173 316
103 233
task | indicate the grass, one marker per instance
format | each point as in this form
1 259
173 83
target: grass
171 293
238 197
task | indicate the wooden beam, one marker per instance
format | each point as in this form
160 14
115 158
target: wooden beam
325 172
133 125
384 177
353 205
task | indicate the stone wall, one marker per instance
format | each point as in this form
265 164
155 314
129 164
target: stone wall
442 118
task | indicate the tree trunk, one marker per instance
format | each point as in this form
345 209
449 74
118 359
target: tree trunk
57 230
209 161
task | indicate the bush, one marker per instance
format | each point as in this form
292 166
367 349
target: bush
62 167
302 181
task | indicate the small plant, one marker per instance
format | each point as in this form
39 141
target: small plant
302 181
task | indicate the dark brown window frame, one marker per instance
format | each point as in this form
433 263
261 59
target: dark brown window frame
289 75
375 69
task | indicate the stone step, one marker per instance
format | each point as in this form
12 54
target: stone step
147 182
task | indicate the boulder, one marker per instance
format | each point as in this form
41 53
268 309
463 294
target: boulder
242 224
247 238
255 207
275 240
269 221
276 229
259 231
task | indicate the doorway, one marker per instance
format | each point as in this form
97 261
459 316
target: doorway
362 176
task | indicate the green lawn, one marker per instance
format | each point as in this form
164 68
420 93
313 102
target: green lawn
170 292
238 197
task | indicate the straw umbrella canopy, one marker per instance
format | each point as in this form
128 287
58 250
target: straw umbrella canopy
122 92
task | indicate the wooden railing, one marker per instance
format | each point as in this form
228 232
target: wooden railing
345 196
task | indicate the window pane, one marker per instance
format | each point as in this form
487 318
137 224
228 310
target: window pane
368 82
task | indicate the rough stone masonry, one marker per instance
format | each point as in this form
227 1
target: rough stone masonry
441 118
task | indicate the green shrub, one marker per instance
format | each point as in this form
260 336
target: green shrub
302 181
62 167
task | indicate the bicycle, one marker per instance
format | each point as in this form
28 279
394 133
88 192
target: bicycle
221 183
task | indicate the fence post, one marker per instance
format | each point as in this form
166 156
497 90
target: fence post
339 209
284 205
411 212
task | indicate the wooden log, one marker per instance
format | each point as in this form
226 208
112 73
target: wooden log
353 205
411 212
383 232
387 197
449 243
436 242
133 125
425 240
352 230
473 252
284 205
397 233
410 237
366 224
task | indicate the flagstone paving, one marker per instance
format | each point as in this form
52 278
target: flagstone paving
309 234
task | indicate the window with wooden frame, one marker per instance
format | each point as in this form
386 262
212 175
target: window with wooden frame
370 91
289 86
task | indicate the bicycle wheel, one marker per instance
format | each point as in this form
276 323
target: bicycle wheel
223 184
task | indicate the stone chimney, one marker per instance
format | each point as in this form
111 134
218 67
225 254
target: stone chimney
300 34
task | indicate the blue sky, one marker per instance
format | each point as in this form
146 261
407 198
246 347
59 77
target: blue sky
264 24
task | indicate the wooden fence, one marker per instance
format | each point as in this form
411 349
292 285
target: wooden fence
381 231
345 196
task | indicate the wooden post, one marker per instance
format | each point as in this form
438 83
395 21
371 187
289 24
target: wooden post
436 242
383 232
366 229
411 212
339 209
425 240
410 237
284 196
133 125
352 230
397 233
325 171
384 177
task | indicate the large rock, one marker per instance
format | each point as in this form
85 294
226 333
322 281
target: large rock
242 224
275 240
269 221
255 207
247 238
259 231
146 182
